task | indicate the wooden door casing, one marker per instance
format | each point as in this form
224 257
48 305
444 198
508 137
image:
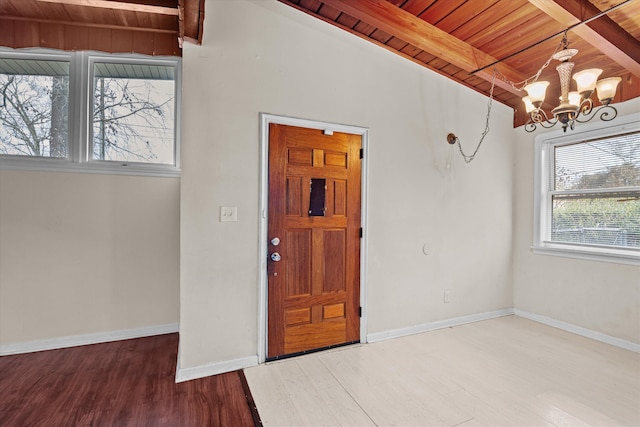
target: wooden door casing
314 290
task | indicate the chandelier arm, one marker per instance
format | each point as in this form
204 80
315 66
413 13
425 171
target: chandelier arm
549 123
606 109
603 112
585 108
538 116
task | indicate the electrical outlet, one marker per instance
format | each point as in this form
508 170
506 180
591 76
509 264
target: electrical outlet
447 295
228 214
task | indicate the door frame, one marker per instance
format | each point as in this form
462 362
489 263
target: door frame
265 120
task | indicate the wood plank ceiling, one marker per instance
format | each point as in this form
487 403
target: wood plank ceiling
153 27
456 38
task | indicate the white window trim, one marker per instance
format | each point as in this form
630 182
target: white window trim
80 77
541 212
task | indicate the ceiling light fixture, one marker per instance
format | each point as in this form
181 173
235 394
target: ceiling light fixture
575 106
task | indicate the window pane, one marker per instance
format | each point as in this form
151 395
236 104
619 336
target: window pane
133 113
613 221
317 198
606 163
34 107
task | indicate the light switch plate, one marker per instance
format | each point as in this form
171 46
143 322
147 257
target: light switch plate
447 295
228 213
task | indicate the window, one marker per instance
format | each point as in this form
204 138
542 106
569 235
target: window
34 107
133 113
589 194
89 112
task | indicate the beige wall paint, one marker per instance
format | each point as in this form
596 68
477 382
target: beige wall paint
86 253
600 296
262 56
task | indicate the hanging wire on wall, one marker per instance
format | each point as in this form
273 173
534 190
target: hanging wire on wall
452 139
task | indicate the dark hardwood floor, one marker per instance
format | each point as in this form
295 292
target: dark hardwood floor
123 383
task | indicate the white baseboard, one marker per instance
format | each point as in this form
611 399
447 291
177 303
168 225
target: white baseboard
86 339
186 374
588 333
425 327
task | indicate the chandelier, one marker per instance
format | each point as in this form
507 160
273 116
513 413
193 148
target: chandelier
575 106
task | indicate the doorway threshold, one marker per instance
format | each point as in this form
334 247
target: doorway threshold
315 350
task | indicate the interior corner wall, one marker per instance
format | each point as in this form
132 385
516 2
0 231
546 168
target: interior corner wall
85 255
598 296
263 56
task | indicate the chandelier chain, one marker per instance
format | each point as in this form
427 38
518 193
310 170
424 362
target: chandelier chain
534 78
468 158
517 86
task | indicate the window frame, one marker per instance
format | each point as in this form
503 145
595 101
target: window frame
544 148
80 100
42 56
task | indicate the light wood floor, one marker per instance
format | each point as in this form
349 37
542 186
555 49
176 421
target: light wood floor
501 372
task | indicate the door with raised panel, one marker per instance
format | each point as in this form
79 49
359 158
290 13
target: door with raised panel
314 239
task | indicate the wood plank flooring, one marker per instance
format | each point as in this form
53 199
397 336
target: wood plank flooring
501 372
123 383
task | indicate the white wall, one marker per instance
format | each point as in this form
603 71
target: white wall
86 254
262 56
599 296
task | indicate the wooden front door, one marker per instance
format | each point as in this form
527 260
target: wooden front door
314 239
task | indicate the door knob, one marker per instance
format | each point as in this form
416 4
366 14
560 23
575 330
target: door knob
275 241
275 257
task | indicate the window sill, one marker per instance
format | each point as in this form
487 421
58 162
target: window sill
61 165
627 257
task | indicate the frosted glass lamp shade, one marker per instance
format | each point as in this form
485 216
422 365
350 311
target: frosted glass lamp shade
536 92
528 105
574 99
606 89
586 79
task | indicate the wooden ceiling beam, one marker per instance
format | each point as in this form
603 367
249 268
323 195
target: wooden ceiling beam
190 21
602 33
394 20
180 23
461 77
193 20
118 5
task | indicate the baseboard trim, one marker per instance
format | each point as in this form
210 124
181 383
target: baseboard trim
86 339
425 327
578 330
187 374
